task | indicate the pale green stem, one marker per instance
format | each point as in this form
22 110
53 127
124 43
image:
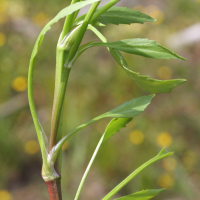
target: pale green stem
103 9
82 31
69 21
88 168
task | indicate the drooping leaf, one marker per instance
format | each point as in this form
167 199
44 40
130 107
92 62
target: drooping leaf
145 82
143 47
114 126
142 195
162 154
123 15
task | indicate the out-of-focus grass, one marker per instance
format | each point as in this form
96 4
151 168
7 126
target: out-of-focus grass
96 85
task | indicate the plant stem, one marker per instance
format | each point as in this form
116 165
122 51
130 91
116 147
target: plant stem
88 168
104 9
58 107
82 31
53 190
69 21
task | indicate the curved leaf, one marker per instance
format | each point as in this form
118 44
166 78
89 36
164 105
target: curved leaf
145 82
129 109
142 195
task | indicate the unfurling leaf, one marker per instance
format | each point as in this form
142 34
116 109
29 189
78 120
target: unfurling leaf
114 126
142 195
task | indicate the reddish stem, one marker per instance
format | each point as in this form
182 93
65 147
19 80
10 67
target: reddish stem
53 190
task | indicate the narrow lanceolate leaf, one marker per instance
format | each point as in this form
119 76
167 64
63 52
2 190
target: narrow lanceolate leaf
123 15
114 126
142 47
120 15
142 195
129 109
63 13
162 154
145 82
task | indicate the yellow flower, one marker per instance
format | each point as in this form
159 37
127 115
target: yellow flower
169 164
41 19
166 181
19 84
31 147
164 73
5 195
164 139
2 39
136 137
65 146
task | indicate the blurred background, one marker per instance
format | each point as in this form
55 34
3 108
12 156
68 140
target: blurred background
97 84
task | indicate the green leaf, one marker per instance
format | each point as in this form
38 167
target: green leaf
142 195
119 15
162 154
123 15
143 47
114 126
129 109
145 82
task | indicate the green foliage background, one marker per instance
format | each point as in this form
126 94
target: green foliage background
97 84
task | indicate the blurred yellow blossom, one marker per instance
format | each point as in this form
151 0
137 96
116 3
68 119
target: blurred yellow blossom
164 139
31 147
166 181
5 195
41 19
65 146
189 159
164 73
136 137
19 84
169 164
3 6
2 39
